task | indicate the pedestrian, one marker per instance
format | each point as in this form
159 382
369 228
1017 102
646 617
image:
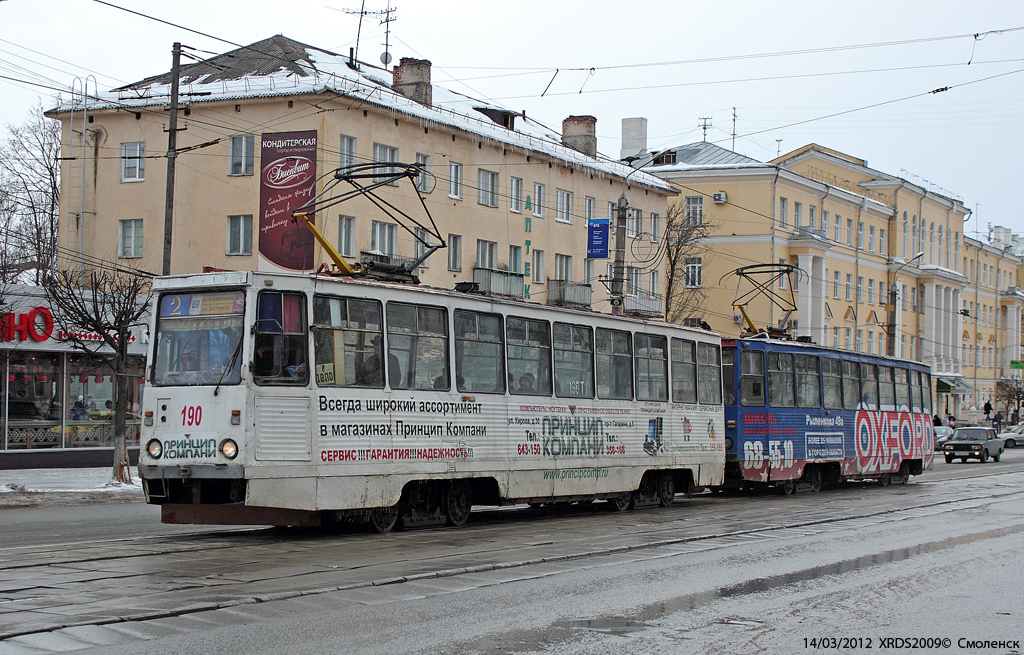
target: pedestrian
1015 417
950 421
997 422
988 410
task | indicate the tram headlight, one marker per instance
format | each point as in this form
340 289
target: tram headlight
155 448
229 448
728 443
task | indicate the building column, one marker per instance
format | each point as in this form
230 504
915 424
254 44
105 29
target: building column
958 331
805 297
928 343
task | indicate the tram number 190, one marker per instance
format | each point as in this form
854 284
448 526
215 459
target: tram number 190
191 415
780 453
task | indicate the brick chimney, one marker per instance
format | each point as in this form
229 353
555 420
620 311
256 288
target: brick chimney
580 133
412 79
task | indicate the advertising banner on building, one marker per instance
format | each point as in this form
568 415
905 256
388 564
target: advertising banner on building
287 181
597 238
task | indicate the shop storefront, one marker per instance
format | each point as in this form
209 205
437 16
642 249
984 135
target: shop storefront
56 396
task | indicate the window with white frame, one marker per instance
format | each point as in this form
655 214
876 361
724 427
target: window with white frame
385 153
242 158
882 300
835 284
652 289
538 199
871 291
612 207
420 245
782 278
848 338
515 190
811 216
563 206
871 238
860 288
692 272
849 231
486 254
563 267
454 252
382 237
424 182
655 227
589 208
693 211
487 188
129 237
825 223
798 214
347 151
783 211
632 280
849 286
515 259
347 235
133 161
239 237
455 180
882 243
588 271
633 222
538 266
838 228
860 234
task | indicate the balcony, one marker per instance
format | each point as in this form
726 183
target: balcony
643 305
499 283
569 294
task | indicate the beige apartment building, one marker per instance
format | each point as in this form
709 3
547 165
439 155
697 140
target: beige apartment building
510 199
884 265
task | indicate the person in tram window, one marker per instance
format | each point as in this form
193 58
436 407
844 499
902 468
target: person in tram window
526 383
370 373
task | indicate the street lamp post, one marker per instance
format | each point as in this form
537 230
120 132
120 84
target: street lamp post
891 311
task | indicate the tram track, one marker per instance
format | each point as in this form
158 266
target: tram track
646 539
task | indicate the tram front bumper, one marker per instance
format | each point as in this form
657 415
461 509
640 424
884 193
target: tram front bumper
235 471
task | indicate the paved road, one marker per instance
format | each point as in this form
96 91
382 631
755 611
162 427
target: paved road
574 581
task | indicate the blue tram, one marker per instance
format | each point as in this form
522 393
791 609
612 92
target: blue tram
800 412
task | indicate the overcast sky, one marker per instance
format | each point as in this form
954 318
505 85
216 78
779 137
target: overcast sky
673 62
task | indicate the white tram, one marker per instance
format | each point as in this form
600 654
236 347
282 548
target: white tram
297 400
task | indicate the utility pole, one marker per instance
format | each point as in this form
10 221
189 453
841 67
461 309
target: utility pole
733 129
705 123
618 270
172 146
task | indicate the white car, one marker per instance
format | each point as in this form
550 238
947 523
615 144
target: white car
942 435
1011 434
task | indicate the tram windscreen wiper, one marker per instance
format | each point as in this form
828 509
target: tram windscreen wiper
231 365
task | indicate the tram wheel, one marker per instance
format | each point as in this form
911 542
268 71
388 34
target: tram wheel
623 502
457 502
816 479
666 489
789 487
884 480
384 519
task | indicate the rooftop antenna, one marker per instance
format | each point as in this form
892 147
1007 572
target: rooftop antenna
362 12
778 147
385 57
733 129
705 123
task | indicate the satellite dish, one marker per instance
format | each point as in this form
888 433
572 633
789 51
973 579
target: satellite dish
385 58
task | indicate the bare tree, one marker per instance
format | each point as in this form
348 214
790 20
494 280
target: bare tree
108 304
30 192
686 250
1010 393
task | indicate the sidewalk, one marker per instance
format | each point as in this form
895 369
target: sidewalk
63 486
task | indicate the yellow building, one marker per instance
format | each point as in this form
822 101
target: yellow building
884 266
510 199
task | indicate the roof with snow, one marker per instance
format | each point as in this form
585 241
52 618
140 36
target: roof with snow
279 66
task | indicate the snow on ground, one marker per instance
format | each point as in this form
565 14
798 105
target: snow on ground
63 480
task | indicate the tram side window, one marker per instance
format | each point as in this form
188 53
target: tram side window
831 383
529 356
347 338
417 346
902 388
709 374
886 389
281 339
651 353
780 379
574 361
869 386
479 352
728 376
808 385
915 391
614 365
752 378
926 393
684 371
851 384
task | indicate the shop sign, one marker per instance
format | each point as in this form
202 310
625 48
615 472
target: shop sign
36 325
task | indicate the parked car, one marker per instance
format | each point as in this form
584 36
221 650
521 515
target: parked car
942 435
1012 435
973 443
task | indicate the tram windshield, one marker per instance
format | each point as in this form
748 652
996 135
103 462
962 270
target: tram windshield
199 339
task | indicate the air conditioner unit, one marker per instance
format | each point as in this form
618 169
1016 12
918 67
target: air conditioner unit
720 198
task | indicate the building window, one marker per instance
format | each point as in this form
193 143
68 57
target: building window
455 180
420 245
783 277
655 227
563 206
347 151
130 237
824 223
860 288
243 155
835 284
693 211
563 267
882 300
424 182
849 231
871 292
632 281
347 235
515 258
847 338
798 210
633 219
588 271
849 286
653 288
382 238
516 195
385 153
860 234
486 254
811 215
133 162
454 252
692 272
589 208
882 243
871 238
783 210
538 266
239 234
487 188
538 200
